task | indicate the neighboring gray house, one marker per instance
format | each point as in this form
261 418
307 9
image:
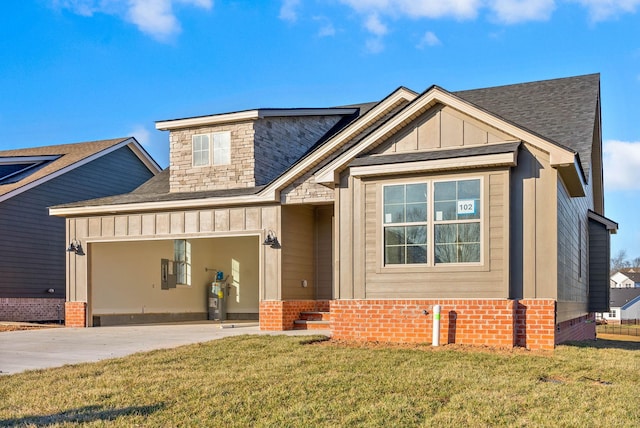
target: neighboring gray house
624 305
32 243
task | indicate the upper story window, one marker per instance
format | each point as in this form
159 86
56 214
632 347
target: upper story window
211 149
453 224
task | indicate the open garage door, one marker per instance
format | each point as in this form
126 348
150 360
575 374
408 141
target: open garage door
127 283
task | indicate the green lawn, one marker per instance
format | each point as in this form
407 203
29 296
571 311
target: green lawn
254 381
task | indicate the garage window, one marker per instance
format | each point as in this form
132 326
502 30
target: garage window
182 259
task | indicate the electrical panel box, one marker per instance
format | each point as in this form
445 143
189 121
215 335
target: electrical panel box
168 277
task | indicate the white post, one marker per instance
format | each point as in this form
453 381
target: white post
436 325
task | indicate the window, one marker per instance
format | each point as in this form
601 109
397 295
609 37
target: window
222 148
612 314
454 225
405 223
211 149
456 208
182 261
200 150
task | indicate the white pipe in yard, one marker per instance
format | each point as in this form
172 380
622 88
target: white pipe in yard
436 325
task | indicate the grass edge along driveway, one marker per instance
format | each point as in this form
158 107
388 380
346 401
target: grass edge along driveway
295 381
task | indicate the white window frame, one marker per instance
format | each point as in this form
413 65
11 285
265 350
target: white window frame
218 149
182 262
436 222
432 222
194 151
405 224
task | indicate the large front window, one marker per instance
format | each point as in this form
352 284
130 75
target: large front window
452 223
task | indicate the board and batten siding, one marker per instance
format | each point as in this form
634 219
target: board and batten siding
298 252
441 128
573 253
599 256
306 252
534 219
191 224
32 243
362 274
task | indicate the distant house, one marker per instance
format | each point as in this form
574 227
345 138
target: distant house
624 305
626 278
32 243
487 203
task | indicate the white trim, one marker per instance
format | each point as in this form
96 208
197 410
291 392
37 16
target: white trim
215 119
558 156
431 224
608 223
270 193
160 205
502 159
81 162
339 139
26 159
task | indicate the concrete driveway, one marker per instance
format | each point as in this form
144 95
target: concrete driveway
54 347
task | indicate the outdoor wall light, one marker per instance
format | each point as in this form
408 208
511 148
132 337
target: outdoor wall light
75 247
271 240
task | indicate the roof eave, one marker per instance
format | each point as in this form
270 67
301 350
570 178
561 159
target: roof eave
216 119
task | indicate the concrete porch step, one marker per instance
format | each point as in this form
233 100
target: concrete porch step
315 316
311 325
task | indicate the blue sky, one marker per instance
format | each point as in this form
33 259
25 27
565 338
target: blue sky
82 70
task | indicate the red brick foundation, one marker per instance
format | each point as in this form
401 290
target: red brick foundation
472 322
279 315
75 314
535 323
31 309
500 323
583 328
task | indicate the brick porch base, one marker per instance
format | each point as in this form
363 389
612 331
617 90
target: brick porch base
75 314
502 323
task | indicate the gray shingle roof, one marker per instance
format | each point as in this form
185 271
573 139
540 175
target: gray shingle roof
561 110
156 189
69 154
632 273
620 296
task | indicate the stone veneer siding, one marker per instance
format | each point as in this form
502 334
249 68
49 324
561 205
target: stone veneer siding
281 141
304 190
260 151
31 309
184 177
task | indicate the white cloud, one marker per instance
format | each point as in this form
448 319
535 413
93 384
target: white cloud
600 10
141 134
374 45
515 11
375 26
621 165
459 9
153 17
288 10
429 39
326 26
